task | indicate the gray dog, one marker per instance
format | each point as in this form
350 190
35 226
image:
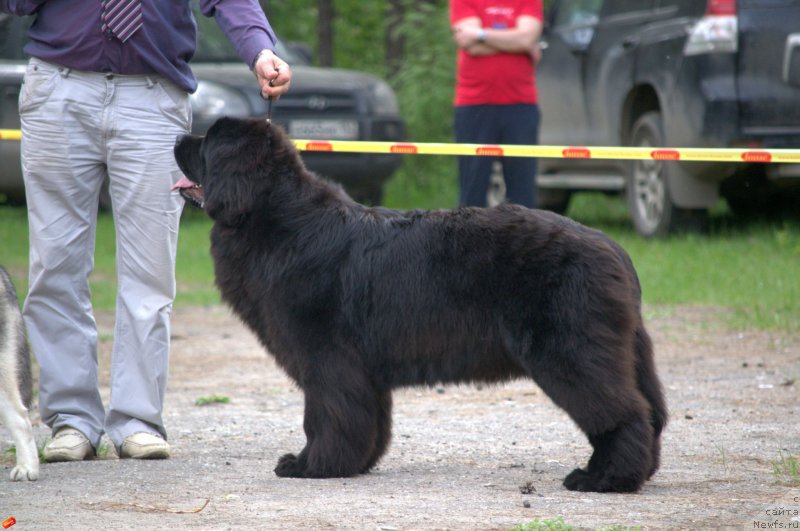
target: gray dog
15 381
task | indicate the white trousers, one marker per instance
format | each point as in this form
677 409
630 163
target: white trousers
78 128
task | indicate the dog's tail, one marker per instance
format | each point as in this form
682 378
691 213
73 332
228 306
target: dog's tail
649 384
650 387
14 350
646 376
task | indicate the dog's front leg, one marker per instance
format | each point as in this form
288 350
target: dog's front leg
15 418
343 422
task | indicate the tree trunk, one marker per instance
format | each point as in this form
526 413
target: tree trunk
325 27
395 41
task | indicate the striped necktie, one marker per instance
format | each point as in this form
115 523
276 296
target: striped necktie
121 17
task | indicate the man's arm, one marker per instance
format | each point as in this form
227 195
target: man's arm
476 40
246 26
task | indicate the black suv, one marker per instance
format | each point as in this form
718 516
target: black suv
323 103
679 73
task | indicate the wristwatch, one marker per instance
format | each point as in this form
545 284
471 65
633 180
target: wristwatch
481 35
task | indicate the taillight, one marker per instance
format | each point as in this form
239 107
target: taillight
721 7
717 31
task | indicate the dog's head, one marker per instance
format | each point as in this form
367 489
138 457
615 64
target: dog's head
229 170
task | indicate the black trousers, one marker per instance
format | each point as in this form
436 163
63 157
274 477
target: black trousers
497 124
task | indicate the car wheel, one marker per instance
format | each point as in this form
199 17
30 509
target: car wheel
651 207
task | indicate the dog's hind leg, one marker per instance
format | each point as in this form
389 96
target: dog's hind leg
384 433
602 397
650 386
342 418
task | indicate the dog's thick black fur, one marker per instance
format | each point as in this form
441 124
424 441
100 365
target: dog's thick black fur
354 302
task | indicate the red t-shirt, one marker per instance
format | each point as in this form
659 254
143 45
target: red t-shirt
502 78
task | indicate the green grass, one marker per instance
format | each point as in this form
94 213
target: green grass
194 275
552 524
787 470
751 268
212 399
558 524
750 271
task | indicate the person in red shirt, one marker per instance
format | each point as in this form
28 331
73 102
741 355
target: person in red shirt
495 97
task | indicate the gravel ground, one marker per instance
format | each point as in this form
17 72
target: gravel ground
461 457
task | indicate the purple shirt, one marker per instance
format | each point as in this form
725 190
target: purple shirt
67 32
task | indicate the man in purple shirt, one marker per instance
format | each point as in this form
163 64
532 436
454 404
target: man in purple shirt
105 95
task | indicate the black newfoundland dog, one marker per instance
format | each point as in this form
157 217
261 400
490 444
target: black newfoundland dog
354 302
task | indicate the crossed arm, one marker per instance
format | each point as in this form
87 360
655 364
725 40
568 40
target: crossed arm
519 39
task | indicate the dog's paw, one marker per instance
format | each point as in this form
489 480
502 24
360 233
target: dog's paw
289 467
25 472
582 481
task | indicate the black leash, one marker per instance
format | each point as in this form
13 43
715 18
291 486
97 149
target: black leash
269 100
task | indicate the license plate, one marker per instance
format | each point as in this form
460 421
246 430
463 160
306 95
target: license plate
324 129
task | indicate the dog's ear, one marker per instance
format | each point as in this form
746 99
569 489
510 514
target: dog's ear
233 153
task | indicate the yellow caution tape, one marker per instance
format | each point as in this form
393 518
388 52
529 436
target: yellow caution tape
571 152
508 150
10 134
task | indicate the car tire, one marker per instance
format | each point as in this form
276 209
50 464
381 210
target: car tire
652 211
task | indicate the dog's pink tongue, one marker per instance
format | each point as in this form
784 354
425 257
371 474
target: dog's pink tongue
183 182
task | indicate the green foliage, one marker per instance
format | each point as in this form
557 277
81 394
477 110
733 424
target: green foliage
294 21
424 86
359 30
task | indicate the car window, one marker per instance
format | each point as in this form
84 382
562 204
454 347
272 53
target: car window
576 19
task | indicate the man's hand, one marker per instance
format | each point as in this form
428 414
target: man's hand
467 35
273 74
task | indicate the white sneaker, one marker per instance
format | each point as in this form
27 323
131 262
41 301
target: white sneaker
144 445
68 444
